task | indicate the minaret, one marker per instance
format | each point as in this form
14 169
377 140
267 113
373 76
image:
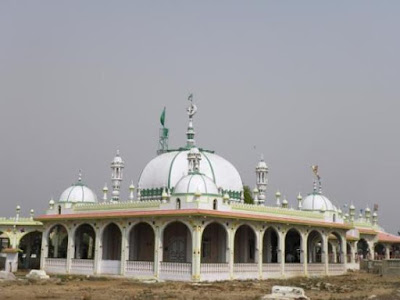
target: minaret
131 190
261 180
164 132
191 110
117 166
105 192
299 200
278 198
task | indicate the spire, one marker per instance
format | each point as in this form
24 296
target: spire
131 190
80 176
117 166
191 110
261 179
194 158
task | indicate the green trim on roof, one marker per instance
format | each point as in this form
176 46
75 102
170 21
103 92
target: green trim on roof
170 170
211 166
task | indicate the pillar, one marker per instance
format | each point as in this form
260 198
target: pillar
97 252
304 252
387 251
281 252
44 250
231 245
325 252
158 251
343 249
124 249
259 251
196 245
70 249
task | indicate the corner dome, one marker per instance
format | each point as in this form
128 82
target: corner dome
168 168
317 202
78 193
196 183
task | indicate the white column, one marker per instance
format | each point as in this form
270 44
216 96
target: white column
387 251
259 251
231 245
44 250
124 250
304 252
325 252
70 250
196 242
343 252
158 251
281 254
97 252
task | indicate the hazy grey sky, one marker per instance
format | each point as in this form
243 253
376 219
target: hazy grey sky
308 82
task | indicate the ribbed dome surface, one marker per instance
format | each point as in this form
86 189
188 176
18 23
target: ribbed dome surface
168 168
78 193
317 202
196 183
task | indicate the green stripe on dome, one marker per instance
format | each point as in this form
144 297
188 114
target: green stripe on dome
211 167
205 185
188 185
170 170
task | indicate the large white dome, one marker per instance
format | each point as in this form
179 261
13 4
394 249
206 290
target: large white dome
168 168
317 202
78 193
196 183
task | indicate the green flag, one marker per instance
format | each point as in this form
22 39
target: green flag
162 117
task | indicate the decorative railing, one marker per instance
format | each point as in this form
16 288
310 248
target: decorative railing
294 268
82 266
336 269
206 268
175 270
246 270
117 205
58 265
316 269
271 270
111 267
276 210
139 267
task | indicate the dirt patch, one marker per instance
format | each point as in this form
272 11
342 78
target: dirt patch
351 286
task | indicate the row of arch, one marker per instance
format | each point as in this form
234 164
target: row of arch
177 244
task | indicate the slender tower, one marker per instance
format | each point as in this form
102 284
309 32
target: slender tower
261 180
191 110
117 166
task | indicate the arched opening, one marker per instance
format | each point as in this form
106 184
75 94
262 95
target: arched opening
270 246
4 241
30 245
177 243
292 246
111 242
335 249
380 251
215 204
214 244
57 242
363 249
178 203
59 209
141 243
84 242
314 247
245 245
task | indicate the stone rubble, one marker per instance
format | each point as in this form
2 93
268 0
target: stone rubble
37 275
286 293
6 276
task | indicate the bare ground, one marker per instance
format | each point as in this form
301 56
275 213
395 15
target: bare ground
355 285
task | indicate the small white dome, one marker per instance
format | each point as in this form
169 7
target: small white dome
196 183
317 202
78 193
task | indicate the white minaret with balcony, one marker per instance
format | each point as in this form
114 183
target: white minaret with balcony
117 167
261 180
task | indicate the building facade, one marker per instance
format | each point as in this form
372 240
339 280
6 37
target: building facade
187 220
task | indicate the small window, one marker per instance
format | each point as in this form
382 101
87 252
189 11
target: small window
334 217
178 203
215 204
59 209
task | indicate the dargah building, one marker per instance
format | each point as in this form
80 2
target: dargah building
187 219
